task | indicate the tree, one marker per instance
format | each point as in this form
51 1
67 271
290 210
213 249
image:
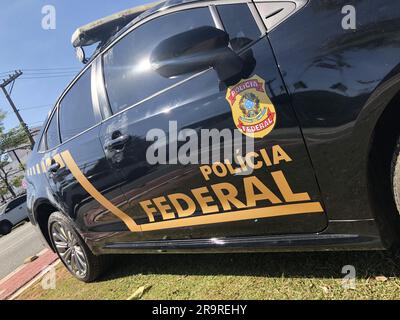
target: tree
12 138
9 140
5 173
17 181
3 193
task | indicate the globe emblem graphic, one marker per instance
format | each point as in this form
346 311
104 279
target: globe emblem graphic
249 104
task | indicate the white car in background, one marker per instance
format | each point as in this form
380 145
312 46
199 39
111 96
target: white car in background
12 213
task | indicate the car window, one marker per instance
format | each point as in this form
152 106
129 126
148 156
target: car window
15 203
42 143
239 23
127 71
76 108
52 134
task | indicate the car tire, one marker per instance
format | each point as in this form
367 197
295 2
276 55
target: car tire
395 175
5 227
73 251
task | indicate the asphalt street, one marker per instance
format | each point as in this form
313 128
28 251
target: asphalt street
15 247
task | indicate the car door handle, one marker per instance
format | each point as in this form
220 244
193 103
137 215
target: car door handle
54 167
117 142
273 13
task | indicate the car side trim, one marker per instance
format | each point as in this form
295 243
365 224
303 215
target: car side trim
216 18
255 243
94 92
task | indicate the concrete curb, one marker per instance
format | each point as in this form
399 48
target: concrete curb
24 274
19 268
32 282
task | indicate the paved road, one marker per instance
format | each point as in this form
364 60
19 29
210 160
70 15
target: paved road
15 247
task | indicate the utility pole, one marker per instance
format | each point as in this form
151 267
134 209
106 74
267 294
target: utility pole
17 158
3 85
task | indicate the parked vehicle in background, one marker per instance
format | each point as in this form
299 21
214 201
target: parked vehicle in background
13 213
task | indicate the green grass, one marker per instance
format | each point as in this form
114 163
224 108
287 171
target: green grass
236 276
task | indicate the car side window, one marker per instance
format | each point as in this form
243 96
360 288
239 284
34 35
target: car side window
15 203
127 70
239 23
76 108
52 134
42 146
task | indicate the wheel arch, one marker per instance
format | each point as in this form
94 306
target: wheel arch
43 208
42 213
383 139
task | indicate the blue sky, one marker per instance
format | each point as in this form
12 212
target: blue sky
27 46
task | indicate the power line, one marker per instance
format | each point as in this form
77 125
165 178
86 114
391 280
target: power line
35 123
48 77
57 68
36 107
45 69
44 72
48 73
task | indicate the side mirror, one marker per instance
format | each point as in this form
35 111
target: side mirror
194 51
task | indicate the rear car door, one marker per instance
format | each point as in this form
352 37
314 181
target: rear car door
178 201
84 185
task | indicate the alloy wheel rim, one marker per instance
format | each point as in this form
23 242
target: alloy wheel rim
69 249
396 184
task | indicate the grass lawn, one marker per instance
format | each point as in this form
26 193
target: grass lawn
236 276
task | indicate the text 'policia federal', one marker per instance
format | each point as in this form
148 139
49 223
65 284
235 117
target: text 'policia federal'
205 199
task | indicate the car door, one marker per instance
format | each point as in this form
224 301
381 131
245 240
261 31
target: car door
20 210
175 200
84 185
16 210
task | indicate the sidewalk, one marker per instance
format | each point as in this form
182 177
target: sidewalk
24 274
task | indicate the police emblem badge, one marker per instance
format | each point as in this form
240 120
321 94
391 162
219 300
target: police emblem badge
252 110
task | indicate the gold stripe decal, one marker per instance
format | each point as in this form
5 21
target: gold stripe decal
43 167
298 206
85 183
258 213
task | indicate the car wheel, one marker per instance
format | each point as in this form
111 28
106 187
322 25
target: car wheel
395 170
73 251
5 227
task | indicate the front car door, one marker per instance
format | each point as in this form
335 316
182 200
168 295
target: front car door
175 200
